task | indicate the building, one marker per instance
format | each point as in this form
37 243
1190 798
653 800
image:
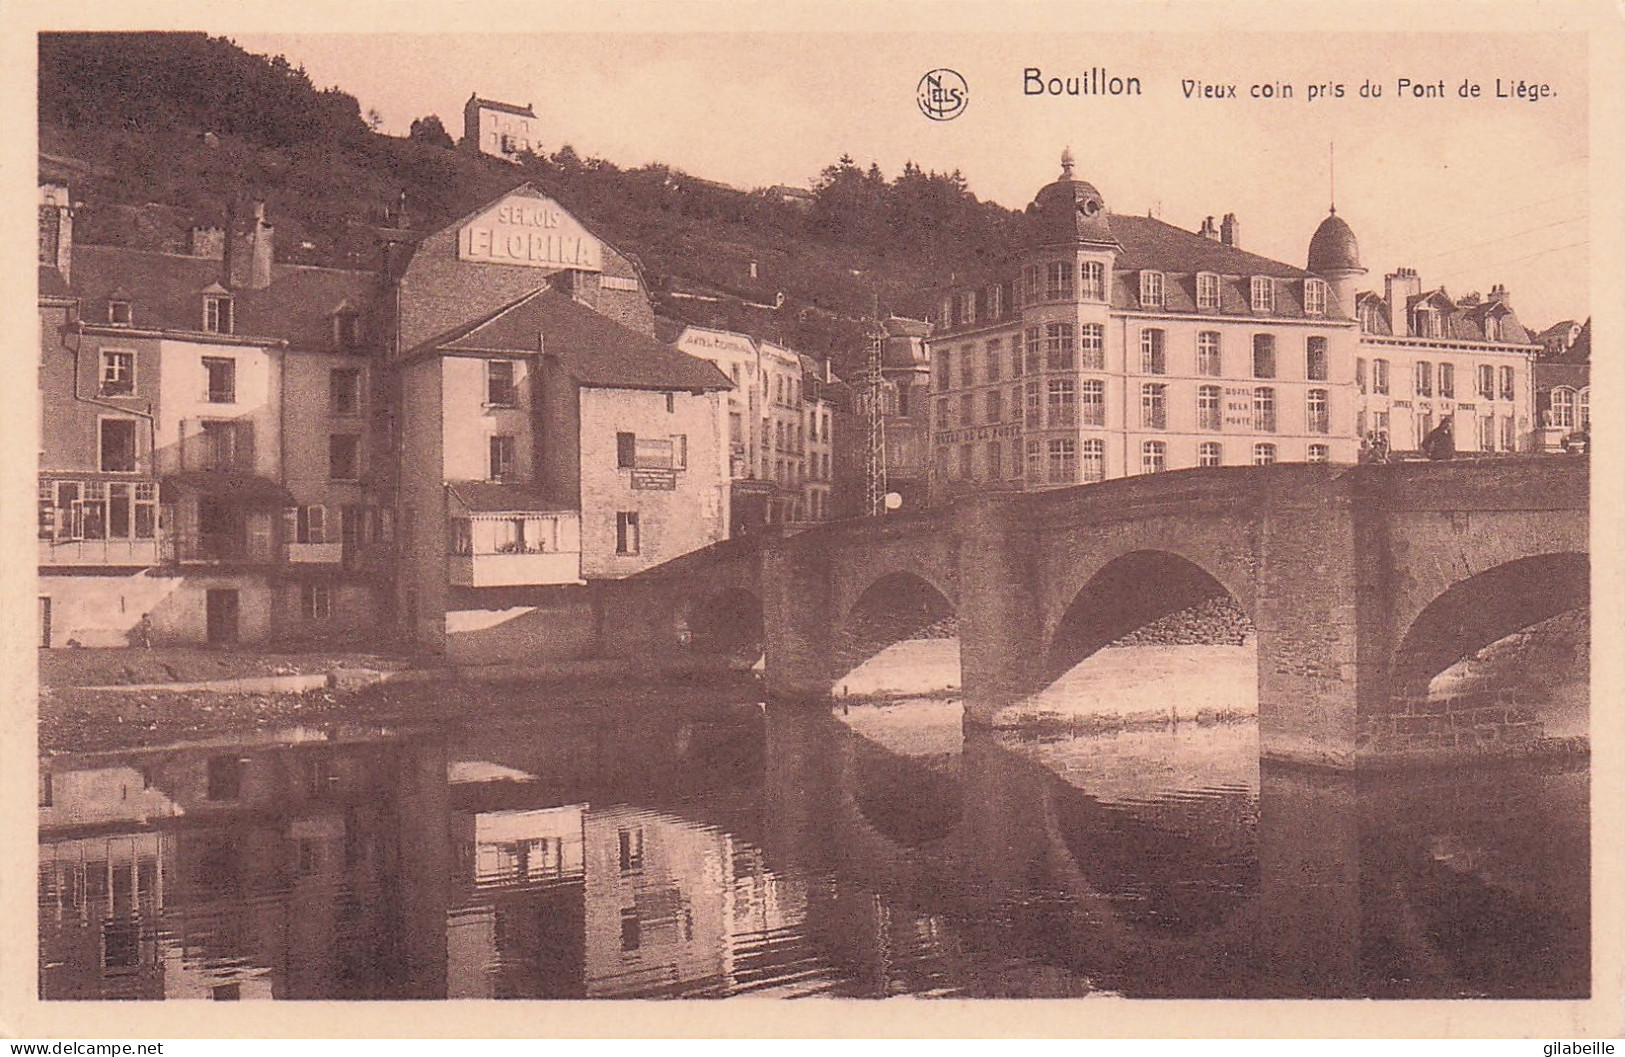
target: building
781 418
1114 345
501 130
1563 394
1426 357
452 447
904 392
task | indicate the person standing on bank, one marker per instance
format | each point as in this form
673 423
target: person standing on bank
1440 443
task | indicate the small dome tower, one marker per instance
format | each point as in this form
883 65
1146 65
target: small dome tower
1068 211
1334 255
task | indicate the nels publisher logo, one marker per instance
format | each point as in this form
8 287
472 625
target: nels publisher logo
942 95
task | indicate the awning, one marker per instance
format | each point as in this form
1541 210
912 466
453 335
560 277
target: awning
233 485
491 497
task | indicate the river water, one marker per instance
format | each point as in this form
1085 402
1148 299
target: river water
725 849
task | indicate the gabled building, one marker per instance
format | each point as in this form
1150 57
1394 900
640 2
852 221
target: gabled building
500 130
1563 393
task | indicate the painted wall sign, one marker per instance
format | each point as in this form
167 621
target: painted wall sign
655 480
533 232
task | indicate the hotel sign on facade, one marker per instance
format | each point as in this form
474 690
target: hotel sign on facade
532 232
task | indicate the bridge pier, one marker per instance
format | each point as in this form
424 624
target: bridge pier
1001 634
798 616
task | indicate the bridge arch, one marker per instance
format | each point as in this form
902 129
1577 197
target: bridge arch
1123 592
895 606
1480 609
727 621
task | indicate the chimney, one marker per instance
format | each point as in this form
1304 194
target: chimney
252 251
1400 286
1230 231
1498 294
56 229
1208 231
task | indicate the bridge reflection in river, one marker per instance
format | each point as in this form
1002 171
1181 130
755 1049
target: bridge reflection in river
721 850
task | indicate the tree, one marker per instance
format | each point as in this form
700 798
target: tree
429 130
375 118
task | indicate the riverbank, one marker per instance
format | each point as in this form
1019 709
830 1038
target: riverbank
85 719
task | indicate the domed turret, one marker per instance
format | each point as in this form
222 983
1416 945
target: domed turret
1334 248
1068 211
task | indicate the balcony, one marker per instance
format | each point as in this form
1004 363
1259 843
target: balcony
137 552
503 535
515 569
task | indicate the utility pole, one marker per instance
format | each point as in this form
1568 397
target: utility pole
875 465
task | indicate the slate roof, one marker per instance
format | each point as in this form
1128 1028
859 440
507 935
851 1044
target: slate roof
1149 243
1462 322
166 293
594 349
1549 375
506 108
50 283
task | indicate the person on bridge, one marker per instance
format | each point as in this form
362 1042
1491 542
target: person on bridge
1440 443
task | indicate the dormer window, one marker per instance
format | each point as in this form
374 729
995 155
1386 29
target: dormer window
217 314
1263 299
1314 297
1150 289
119 313
347 330
1207 290
1368 317
1429 324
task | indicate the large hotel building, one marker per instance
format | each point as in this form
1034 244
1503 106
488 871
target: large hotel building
1117 345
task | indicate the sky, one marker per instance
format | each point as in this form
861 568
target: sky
1471 192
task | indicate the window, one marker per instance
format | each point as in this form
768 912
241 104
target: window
995 407
1207 290
679 451
502 456
1208 453
1263 356
1092 402
221 446
1486 382
1035 350
1369 318
1034 404
499 390
1264 409
1359 373
1153 351
119 313
217 315
1035 461
1094 460
945 360
1429 324
1092 347
344 457
1208 413
1263 291
118 373
1314 355
995 361
1423 420
1093 286
631 848
1447 381
1154 406
1509 433
1320 417
315 601
1263 454
1319 453
1424 378
945 415
995 461
1058 285
1058 348
1509 389
1150 289
967 456
1032 277
627 537
1486 434
1379 376
1063 402
967 409
1153 456
1015 403
117 445
967 367
347 330
344 391
1314 297
626 449
1582 406
1562 409
1063 461
1209 360
222 379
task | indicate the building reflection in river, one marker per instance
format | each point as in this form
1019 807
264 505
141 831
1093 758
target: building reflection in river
616 857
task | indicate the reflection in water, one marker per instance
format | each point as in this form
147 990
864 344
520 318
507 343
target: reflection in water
869 853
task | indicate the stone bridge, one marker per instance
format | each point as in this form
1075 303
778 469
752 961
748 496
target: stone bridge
1363 584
